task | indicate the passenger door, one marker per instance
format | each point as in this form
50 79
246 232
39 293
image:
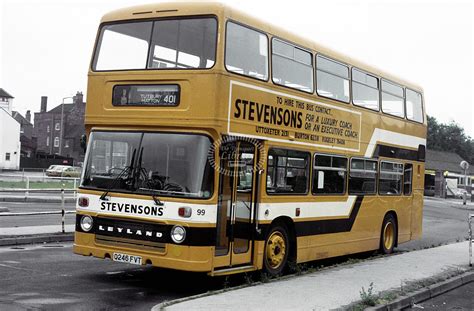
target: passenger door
236 204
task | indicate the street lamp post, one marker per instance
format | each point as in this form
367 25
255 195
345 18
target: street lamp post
62 125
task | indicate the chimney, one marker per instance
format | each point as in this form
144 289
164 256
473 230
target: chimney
28 116
79 98
44 103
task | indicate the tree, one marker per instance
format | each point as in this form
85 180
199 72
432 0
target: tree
450 137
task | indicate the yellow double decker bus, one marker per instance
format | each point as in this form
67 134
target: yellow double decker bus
221 144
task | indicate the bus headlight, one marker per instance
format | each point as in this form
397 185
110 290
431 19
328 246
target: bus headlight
86 223
178 234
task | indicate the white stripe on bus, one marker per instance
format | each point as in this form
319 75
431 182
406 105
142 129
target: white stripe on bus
393 138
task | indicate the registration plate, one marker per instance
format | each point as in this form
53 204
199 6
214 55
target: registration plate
134 260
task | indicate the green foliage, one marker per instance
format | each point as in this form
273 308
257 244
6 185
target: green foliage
450 137
368 297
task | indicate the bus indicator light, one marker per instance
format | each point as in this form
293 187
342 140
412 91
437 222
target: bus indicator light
185 211
83 202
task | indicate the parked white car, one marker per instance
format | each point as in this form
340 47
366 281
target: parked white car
57 170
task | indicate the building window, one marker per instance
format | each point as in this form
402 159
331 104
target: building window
47 129
288 172
329 174
47 140
362 176
292 66
66 143
57 127
22 129
390 181
56 141
7 156
250 61
332 79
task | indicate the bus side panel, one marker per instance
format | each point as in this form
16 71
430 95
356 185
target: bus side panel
417 215
417 210
363 236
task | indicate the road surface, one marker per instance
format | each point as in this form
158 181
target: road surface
22 221
51 277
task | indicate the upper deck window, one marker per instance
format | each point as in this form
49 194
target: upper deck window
292 66
332 79
392 99
414 106
175 43
184 43
123 46
246 51
365 90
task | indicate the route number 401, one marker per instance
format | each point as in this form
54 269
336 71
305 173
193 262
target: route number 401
170 99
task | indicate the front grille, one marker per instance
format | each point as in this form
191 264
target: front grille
143 245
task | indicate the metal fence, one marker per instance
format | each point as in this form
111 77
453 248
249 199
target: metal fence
27 184
62 212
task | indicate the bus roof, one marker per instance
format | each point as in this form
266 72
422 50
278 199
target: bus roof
169 9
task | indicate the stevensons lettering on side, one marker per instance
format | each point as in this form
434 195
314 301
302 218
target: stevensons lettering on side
263 113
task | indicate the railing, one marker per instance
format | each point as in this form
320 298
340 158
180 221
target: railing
471 216
62 212
29 184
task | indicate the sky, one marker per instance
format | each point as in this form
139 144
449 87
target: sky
46 45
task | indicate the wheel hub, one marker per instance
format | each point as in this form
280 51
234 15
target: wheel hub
389 235
276 250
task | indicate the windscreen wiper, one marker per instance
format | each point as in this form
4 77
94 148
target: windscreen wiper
142 171
126 170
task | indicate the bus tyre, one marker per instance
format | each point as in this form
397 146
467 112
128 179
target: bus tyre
276 252
388 236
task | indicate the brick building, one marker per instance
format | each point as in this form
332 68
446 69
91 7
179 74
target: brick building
59 130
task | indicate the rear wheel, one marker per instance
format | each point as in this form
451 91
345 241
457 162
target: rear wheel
276 250
388 236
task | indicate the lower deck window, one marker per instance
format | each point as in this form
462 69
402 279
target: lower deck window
329 174
288 172
407 179
390 181
362 176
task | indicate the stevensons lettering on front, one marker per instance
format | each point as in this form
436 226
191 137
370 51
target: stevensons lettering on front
128 208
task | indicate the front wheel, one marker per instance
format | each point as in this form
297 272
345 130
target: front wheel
276 250
388 236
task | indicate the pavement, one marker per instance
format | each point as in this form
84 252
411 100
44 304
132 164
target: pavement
336 287
457 203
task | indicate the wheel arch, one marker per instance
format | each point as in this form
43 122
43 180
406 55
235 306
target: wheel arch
290 226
